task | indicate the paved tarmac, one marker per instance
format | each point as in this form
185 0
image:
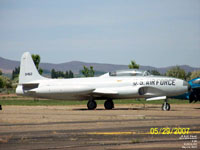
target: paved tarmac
74 127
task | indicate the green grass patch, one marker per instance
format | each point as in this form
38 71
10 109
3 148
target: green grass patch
40 102
63 102
143 101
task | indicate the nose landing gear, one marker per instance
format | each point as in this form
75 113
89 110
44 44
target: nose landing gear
166 105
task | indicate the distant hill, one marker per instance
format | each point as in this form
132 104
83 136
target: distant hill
7 66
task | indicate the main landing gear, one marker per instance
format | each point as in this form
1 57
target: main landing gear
166 105
92 104
109 104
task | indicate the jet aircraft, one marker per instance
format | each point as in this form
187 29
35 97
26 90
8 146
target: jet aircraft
194 94
125 84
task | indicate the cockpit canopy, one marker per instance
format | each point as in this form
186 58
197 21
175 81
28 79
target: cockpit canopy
129 73
196 81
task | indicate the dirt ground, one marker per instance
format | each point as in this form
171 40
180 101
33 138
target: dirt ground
75 127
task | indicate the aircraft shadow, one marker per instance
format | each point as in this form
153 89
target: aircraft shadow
102 109
196 108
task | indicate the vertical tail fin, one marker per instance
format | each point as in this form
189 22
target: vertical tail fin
28 71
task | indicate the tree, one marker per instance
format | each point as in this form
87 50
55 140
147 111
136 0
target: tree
154 72
15 72
40 71
1 83
176 72
85 71
1 73
60 74
36 60
5 82
53 73
91 71
88 72
66 74
133 65
70 74
188 75
195 74
8 83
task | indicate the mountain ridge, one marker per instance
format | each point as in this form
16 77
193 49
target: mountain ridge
7 66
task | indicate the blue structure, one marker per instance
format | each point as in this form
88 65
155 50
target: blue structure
194 94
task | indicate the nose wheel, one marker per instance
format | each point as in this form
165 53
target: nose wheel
109 104
166 106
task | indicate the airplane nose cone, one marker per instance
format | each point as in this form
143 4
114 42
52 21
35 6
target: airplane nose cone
188 85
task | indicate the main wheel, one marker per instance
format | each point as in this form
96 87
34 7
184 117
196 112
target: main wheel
166 107
91 104
109 104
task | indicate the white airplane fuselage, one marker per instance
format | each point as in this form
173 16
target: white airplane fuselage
103 87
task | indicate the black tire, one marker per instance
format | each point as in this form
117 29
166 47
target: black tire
109 104
91 105
166 107
0 107
191 98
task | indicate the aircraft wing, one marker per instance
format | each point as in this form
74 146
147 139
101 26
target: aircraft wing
105 91
126 90
156 98
146 91
152 91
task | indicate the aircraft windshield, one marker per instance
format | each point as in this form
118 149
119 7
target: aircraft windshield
196 81
129 73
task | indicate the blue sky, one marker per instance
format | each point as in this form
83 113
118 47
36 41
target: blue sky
151 32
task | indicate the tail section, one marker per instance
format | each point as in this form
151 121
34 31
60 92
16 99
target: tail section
28 71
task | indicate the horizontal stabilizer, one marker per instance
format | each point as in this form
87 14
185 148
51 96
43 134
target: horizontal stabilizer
30 86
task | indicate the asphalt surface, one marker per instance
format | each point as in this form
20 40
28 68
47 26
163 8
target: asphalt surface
75 127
